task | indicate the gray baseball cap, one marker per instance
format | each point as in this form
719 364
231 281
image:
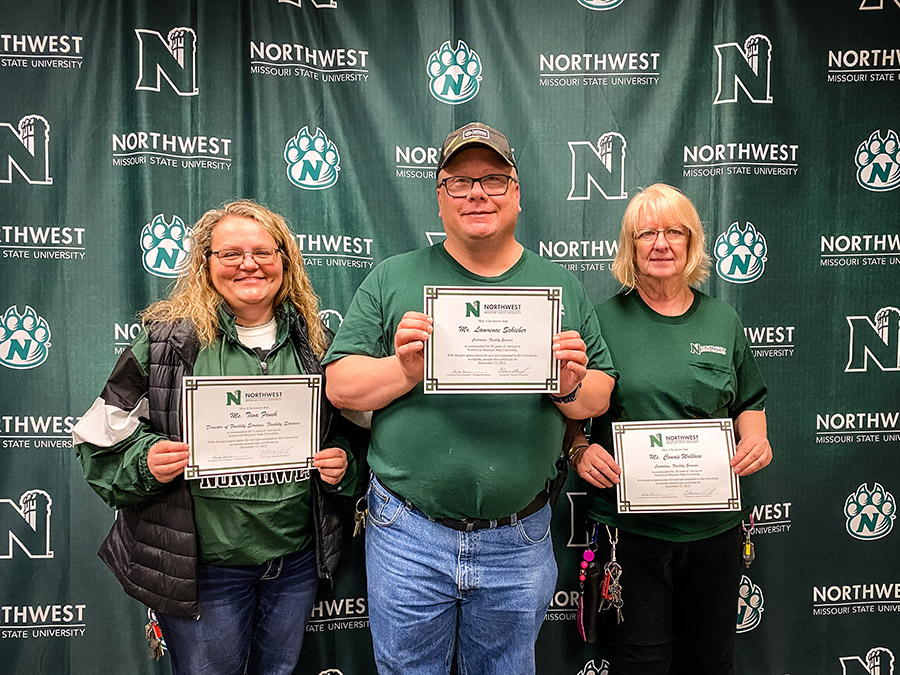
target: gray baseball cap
472 134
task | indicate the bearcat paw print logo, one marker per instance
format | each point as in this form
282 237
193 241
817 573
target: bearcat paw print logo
750 605
591 669
455 73
600 5
740 254
165 246
878 162
24 339
313 160
870 513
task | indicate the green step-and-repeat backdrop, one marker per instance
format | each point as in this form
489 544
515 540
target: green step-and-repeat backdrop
121 121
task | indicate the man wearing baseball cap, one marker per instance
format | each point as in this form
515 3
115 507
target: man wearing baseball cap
458 550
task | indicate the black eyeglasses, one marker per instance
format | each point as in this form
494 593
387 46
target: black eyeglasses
494 184
233 257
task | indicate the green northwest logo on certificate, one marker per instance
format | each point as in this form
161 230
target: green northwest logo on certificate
473 308
233 397
656 440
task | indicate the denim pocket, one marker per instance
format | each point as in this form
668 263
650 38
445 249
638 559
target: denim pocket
383 508
535 528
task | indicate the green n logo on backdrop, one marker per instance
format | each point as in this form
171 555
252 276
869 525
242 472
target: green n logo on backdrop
173 58
602 167
27 524
746 68
25 148
877 342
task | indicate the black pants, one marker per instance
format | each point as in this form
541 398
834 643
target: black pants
680 605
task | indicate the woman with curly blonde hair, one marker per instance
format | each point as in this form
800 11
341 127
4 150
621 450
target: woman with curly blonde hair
230 566
196 298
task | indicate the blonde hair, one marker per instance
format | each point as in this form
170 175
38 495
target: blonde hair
671 207
195 299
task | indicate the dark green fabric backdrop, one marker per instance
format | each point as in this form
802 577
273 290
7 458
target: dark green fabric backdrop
122 121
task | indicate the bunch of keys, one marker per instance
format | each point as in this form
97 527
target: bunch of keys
748 550
610 588
359 516
154 639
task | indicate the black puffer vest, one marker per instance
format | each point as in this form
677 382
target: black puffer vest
152 547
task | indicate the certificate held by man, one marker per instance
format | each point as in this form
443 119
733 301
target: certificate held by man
676 466
238 425
492 340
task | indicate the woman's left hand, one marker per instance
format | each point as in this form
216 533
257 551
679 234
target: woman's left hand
332 464
753 453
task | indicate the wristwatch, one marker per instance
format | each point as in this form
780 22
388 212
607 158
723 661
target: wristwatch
568 398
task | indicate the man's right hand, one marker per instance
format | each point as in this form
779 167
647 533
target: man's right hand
409 344
167 459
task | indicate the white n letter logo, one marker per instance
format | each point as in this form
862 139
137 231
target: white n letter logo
25 149
174 58
26 524
878 341
747 68
879 661
603 167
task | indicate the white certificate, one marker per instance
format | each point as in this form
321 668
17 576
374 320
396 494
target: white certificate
492 340
676 466
237 425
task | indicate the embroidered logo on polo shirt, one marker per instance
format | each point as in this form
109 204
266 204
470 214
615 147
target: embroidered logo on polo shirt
697 348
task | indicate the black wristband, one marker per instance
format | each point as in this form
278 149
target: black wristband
568 398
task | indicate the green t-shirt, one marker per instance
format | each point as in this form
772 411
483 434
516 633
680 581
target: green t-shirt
461 455
694 366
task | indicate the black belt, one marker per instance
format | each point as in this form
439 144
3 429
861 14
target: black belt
472 524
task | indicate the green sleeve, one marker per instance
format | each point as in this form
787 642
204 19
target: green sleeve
363 330
751 391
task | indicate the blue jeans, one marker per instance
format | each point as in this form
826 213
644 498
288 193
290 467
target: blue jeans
433 590
252 619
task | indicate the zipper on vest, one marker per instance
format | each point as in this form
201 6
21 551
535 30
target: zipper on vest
262 355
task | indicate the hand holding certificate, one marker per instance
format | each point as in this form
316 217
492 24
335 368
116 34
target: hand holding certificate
237 425
676 466
492 340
